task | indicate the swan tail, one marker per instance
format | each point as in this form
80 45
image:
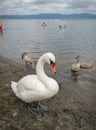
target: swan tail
14 88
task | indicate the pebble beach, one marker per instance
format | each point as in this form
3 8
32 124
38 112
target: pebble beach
73 108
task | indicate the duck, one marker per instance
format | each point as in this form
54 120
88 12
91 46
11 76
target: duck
85 65
35 88
76 67
27 59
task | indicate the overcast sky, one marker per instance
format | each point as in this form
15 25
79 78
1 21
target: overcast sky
47 6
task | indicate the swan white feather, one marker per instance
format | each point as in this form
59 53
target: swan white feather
36 87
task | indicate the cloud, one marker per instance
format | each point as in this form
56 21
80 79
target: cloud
47 6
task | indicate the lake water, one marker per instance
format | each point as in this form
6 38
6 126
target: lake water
78 38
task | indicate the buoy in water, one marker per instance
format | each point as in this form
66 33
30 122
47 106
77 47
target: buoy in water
0 25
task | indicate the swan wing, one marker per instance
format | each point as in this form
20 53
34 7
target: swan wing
30 83
30 89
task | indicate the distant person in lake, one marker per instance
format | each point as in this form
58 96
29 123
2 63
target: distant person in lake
65 26
44 24
60 26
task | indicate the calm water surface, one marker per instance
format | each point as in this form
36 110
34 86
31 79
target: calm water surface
78 38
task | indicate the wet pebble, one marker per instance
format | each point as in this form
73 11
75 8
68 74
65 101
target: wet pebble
14 114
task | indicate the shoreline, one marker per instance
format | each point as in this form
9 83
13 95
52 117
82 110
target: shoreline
72 108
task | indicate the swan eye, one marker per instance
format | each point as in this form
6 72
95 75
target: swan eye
52 63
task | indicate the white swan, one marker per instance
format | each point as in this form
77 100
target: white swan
76 67
37 87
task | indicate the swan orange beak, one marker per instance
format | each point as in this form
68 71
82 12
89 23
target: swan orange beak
53 68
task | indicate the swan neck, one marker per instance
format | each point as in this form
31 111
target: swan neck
40 71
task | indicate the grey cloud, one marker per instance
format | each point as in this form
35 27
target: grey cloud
43 2
47 6
81 4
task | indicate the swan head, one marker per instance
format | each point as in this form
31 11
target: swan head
24 54
50 59
77 59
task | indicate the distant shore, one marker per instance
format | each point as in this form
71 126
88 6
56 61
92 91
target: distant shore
50 16
72 108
